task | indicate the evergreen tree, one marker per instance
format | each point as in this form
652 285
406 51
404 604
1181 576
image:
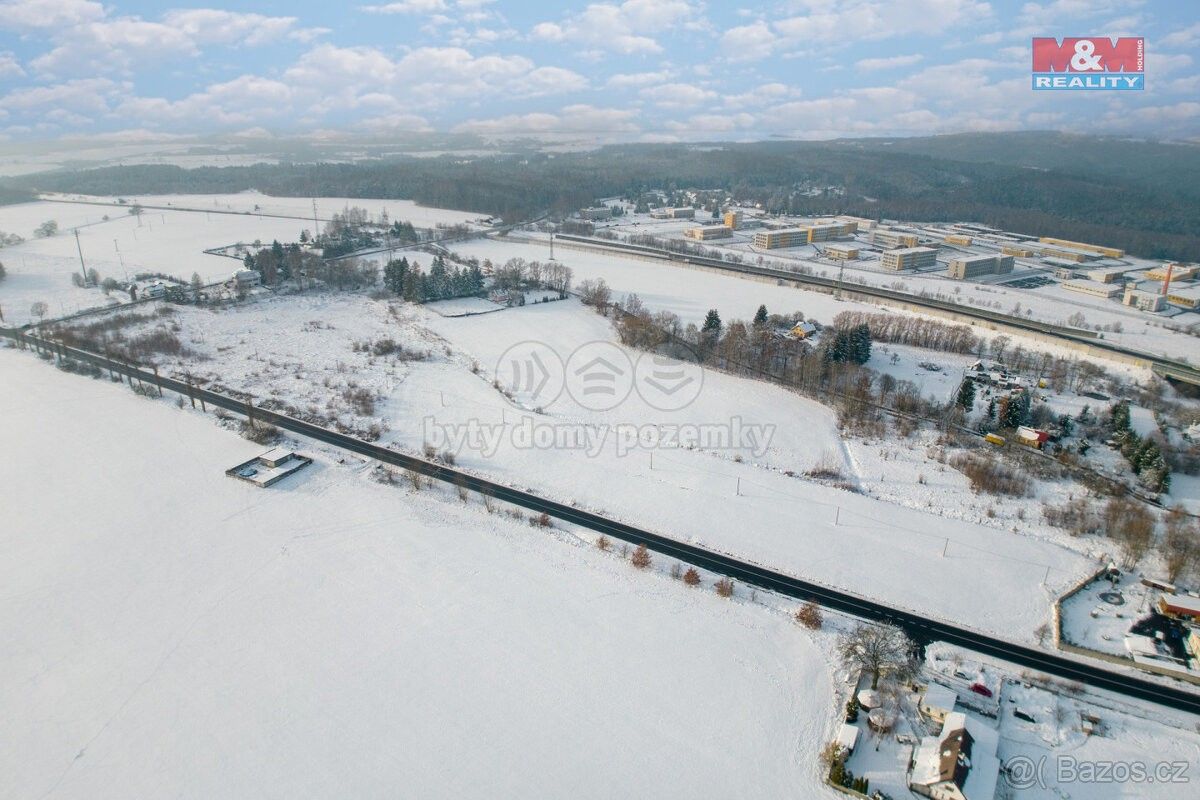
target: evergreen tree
277 251
1014 410
760 316
438 282
197 285
394 274
712 324
860 344
991 409
248 261
966 395
414 285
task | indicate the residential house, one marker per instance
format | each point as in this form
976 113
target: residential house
958 764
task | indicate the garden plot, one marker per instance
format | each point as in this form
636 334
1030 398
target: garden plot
308 353
200 637
169 242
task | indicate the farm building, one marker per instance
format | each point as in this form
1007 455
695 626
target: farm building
1179 606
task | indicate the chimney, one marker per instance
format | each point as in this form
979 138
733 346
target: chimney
1167 280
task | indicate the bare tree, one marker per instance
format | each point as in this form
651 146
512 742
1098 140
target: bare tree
1181 545
39 310
878 649
1131 526
641 557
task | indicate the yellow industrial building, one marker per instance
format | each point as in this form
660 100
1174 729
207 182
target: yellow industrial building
1108 252
959 239
965 267
1104 290
908 258
892 240
1179 272
1065 255
733 219
1014 250
841 252
706 232
807 234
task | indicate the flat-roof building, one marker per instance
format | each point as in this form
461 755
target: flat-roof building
1186 296
1016 250
681 213
892 240
1178 272
1145 296
1104 290
958 239
1109 252
965 267
593 214
908 258
841 252
706 232
1106 274
784 237
733 219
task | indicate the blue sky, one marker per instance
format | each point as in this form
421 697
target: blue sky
639 70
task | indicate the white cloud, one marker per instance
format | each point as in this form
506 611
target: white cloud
627 79
10 67
408 7
30 15
889 62
92 43
1182 38
677 95
748 42
574 119
623 28
395 123
826 24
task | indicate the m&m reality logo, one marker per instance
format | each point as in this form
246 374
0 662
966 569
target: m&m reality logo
1091 63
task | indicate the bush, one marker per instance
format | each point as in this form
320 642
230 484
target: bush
691 577
603 542
542 521
641 557
986 474
260 432
809 615
724 587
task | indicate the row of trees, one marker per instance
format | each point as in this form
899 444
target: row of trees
442 283
1144 454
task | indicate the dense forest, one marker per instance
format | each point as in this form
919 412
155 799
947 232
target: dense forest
1139 196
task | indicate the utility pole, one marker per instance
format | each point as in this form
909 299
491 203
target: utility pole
551 245
82 267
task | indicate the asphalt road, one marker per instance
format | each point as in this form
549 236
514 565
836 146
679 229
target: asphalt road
1174 695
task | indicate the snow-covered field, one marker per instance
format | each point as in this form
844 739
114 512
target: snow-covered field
300 351
299 207
171 632
170 242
